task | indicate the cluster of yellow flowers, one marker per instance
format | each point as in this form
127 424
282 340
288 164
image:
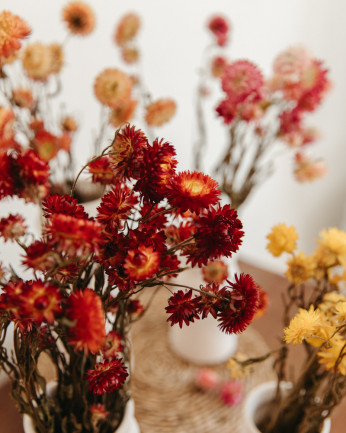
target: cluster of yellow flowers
323 324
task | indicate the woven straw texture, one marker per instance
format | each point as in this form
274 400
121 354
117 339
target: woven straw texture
166 398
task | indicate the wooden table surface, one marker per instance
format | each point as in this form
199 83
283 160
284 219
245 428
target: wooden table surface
269 326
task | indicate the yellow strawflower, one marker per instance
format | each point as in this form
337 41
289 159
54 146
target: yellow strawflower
332 247
336 353
300 268
282 239
304 324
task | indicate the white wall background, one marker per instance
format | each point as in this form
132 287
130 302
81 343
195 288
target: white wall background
172 39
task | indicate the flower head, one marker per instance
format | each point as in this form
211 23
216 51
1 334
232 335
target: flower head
206 379
332 247
79 18
218 233
12 30
36 60
308 170
142 263
242 80
218 66
182 308
219 26
192 191
127 28
159 112
12 227
123 112
63 204
112 345
216 271
300 268
232 392
334 356
85 310
303 325
282 239
107 376
238 309
98 412
112 87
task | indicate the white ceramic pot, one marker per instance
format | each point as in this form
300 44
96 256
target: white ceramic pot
202 342
128 424
256 405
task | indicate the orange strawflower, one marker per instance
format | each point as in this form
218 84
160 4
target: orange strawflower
127 28
112 87
123 112
79 18
6 124
68 124
23 98
85 310
192 191
142 263
160 112
12 29
36 60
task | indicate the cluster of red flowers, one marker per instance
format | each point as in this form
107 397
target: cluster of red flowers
150 214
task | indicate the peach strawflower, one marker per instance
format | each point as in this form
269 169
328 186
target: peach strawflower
112 87
129 54
127 28
282 239
12 30
36 60
308 170
160 112
123 112
56 58
300 268
23 98
69 124
79 18
292 62
216 271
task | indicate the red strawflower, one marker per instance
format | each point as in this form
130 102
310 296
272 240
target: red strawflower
116 206
40 301
12 227
151 217
112 345
227 109
7 186
142 263
175 235
127 152
147 237
192 191
85 309
168 264
40 257
209 300
63 204
73 236
107 377
290 121
182 308
135 308
10 299
237 312
219 27
242 80
158 168
218 233
101 170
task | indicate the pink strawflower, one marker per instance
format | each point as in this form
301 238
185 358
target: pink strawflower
242 80
292 62
232 392
220 28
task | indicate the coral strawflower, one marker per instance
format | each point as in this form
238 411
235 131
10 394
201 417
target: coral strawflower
127 28
12 30
159 112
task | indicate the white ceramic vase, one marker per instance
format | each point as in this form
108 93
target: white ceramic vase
202 342
128 424
256 405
